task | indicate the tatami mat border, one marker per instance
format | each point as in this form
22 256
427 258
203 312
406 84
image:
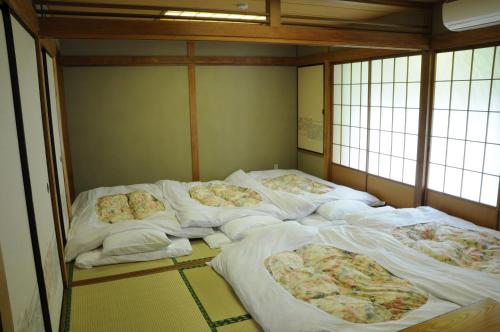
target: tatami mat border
176 266
180 267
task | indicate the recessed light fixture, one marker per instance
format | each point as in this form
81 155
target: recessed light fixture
214 16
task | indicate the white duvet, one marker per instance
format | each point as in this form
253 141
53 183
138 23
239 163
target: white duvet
338 192
192 213
275 309
88 233
386 219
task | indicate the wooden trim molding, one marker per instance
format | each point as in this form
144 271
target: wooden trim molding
193 116
470 38
77 61
68 168
50 46
347 55
327 118
75 28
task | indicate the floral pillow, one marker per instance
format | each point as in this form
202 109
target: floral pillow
113 208
144 204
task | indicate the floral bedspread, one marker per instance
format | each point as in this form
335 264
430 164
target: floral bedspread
296 184
456 246
134 205
224 195
349 286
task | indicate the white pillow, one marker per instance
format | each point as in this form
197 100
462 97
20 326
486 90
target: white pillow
235 228
217 240
178 247
134 241
336 210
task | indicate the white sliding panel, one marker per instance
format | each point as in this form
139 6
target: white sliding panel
25 48
15 237
54 111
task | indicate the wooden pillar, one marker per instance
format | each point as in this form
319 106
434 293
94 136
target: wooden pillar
193 120
327 119
424 126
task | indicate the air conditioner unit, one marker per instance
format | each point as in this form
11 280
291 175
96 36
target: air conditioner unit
461 15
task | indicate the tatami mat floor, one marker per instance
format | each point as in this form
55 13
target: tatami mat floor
187 296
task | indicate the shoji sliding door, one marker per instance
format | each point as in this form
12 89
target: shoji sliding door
29 96
15 240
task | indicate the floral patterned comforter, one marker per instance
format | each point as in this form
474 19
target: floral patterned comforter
456 246
134 205
349 286
296 184
224 195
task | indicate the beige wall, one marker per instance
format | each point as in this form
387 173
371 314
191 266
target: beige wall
128 124
131 124
310 163
247 118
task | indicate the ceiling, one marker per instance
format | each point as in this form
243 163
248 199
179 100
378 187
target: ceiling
370 14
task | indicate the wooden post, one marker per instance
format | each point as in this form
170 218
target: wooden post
424 126
327 119
193 119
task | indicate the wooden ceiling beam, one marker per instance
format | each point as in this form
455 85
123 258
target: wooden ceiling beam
78 28
470 38
396 3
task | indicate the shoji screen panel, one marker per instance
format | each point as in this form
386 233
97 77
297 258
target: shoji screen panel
465 145
27 72
350 114
465 136
56 134
394 113
17 251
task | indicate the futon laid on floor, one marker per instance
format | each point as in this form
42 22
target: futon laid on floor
296 278
120 216
463 247
307 187
214 203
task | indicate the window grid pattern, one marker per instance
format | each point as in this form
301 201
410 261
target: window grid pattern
350 114
394 118
465 137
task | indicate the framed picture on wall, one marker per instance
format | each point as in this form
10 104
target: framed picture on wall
310 108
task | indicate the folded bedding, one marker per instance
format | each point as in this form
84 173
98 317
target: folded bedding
292 277
213 203
103 212
313 189
177 247
473 249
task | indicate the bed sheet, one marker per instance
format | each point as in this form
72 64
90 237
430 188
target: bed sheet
275 309
87 232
